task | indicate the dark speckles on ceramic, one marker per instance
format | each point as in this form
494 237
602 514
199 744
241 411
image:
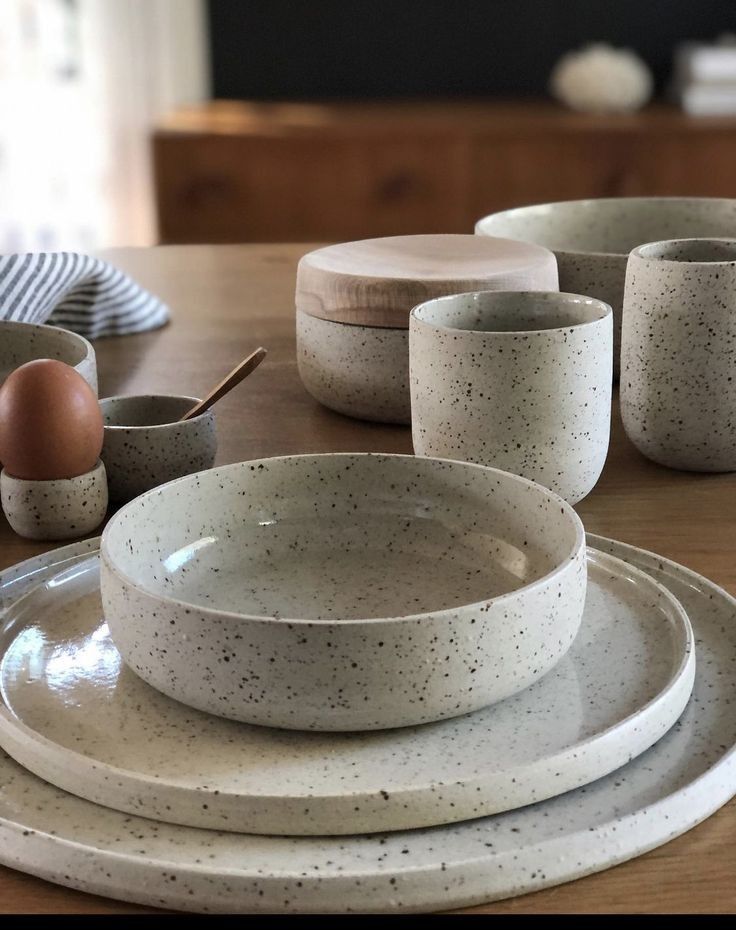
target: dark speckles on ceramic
92 727
24 342
678 361
361 371
65 508
520 381
339 592
592 238
353 302
683 779
145 446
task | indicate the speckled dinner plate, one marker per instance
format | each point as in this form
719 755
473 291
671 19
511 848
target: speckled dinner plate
75 715
680 781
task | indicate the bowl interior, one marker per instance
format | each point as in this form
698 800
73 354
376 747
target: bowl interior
341 537
615 225
144 410
24 342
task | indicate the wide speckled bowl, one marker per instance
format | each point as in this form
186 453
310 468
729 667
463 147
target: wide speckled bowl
24 342
592 238
344 591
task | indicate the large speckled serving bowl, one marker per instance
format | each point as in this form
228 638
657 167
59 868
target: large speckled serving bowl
343 591
24 342
592 239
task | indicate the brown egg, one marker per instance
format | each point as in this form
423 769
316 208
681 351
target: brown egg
50 422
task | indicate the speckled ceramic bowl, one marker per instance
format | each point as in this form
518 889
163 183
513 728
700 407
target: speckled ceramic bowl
361 371
24 342
517 380
145 445
343 592
678 354
66 508
592 238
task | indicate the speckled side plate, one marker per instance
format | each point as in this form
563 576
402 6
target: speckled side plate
688 775
75 715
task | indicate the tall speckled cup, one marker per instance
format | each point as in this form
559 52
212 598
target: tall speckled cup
678 353
517 380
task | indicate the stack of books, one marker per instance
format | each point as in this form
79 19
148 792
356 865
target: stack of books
705 78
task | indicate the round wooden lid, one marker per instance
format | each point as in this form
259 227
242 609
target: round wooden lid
376 282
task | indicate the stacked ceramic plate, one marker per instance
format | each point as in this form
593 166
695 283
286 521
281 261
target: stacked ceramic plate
354 682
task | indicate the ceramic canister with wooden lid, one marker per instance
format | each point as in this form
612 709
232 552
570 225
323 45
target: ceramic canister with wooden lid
353 302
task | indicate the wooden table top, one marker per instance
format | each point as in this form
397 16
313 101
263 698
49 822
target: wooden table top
225 301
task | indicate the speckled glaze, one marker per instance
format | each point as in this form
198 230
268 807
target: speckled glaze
145 446
517 380
359 367
343 591
65 508
687 776
92 727
678 358
592 238
361 371
24 342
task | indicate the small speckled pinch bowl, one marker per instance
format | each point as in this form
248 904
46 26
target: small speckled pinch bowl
145 445
517 380
678 358
24 342
65 508
592 238
343 591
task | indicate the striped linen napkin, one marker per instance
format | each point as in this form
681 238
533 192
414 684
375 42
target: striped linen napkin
77 292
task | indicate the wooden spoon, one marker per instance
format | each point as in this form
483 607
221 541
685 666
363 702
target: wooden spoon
241 371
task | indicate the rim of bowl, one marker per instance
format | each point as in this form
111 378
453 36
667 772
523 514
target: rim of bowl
591 200
89 349
194 400
562 562
606 309
701 240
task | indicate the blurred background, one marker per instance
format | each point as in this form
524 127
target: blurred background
130 122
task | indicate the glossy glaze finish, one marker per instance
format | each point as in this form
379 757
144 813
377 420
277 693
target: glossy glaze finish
24 342
340 592
678 359
145 445
520 381
89 725
688 775
64 508
592 238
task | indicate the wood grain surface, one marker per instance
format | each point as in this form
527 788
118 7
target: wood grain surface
238 171
226 301
376 282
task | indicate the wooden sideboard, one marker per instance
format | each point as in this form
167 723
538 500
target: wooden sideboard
232 171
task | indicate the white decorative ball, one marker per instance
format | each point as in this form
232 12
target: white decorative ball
602 79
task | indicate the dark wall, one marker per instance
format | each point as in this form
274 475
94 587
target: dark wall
279 49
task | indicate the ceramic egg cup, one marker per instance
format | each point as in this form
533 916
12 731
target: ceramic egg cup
146 444
64 508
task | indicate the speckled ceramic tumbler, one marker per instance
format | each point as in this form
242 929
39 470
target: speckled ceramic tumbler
678 353
517 380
